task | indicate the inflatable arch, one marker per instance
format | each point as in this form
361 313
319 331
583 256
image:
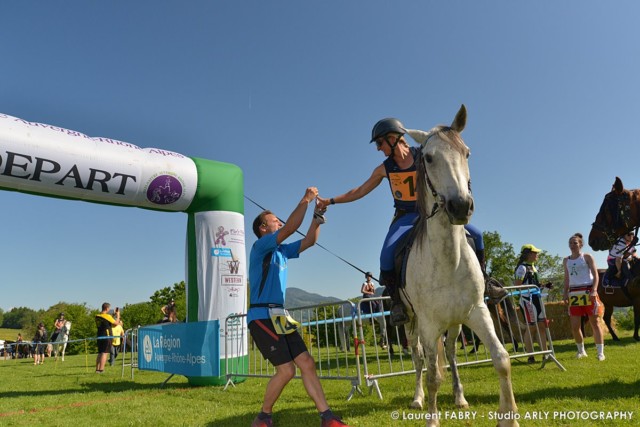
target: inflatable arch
51 161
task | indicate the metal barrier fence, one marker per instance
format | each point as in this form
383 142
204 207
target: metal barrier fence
324 328
356 343
130 342
518 339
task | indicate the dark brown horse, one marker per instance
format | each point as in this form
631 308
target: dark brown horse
619 214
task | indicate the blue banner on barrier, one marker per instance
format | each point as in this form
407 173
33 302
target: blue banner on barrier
189 349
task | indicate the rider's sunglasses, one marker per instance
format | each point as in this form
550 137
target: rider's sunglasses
382 139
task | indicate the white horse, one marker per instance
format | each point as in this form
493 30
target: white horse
445 286
62 338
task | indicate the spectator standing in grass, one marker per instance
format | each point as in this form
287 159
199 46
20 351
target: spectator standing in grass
581 295
105 323
40 343
116 342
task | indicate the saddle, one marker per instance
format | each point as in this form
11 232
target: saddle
610 279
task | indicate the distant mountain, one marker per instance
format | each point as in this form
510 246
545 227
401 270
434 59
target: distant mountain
296 297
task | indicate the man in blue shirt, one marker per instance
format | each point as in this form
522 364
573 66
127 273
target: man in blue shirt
272 330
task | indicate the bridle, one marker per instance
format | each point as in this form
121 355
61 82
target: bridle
438 200
621 218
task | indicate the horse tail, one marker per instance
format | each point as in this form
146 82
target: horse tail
441 358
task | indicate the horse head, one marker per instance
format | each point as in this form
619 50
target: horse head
443 171
618 215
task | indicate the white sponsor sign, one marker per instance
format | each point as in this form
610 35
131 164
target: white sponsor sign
54 161
221 261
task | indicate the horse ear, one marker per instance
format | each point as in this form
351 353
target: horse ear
617 186
460 120
419 136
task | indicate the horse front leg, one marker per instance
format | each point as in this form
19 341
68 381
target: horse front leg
417 355
480 322
458 391
433 349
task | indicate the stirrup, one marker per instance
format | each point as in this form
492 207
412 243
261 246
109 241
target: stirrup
398 315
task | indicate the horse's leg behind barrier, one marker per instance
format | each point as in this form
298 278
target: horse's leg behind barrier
458 391
513 321
480 322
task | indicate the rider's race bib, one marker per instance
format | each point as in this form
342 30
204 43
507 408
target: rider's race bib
283 323
579 298
403 185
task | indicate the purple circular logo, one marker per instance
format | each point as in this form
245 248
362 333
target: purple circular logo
164 190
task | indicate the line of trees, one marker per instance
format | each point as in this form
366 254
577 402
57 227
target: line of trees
83 317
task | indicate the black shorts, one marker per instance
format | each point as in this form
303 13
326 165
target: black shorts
104 345
277 349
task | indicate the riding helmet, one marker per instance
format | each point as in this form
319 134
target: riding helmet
386 126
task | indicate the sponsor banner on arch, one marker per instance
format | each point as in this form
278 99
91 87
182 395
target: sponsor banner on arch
54 161
221 260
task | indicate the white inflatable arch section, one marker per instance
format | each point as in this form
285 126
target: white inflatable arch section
51 161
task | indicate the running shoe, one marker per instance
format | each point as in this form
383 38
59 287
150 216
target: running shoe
257 422
333 422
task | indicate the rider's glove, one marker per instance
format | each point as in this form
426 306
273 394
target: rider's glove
318 215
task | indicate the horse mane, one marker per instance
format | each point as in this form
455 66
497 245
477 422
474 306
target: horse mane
451 136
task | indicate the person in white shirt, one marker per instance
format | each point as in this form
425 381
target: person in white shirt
581 294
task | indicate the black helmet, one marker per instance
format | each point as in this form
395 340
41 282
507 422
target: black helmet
385 126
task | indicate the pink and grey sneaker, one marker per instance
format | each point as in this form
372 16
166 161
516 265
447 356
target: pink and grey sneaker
333 422
257 422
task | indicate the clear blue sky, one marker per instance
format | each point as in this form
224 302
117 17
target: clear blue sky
289 91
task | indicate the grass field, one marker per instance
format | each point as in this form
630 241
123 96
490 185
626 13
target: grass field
70 393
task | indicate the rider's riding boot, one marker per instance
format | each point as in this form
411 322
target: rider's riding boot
399 314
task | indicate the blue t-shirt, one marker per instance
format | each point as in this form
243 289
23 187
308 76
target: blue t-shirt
268 255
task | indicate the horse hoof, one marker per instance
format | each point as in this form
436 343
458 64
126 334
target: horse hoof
462 405
416 404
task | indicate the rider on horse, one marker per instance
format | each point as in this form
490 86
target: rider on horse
400 169
619 257
57 327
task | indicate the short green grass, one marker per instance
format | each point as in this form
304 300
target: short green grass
70 393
